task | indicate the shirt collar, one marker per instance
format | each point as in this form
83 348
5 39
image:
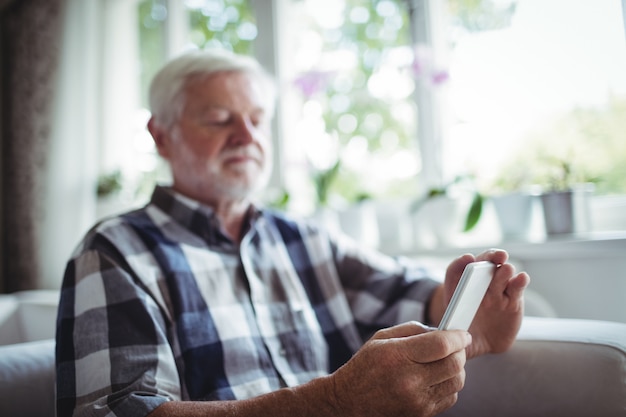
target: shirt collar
199 218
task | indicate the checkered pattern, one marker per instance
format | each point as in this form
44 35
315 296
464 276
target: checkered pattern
158 305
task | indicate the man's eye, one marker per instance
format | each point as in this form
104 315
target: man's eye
216 120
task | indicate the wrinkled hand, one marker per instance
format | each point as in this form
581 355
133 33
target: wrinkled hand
500 314
403 370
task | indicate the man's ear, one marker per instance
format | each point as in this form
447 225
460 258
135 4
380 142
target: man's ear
160 136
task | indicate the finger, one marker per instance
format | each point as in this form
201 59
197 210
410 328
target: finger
507 283
496 256
445 403
446 368
457 266
445 394
454 272
517 285
501 279
433 346
449 386
411 328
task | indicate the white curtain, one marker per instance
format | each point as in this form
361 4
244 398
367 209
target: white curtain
97 97
72 161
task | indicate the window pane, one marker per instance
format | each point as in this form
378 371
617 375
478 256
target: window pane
152 16
227 24
350 65
537 86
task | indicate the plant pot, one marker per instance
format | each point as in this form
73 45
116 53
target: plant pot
359 221
439 221
327 218
394 225
515 214
567 212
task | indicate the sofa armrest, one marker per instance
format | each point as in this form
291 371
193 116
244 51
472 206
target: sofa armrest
10 325
557 367
27 379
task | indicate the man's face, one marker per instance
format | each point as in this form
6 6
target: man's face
218 149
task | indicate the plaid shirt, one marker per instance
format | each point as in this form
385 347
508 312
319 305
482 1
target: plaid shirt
158 304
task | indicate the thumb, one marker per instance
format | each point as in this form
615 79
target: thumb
410 328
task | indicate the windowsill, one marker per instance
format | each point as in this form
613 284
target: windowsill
608 238
589 245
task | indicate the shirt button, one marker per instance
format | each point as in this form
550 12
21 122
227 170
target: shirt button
282 352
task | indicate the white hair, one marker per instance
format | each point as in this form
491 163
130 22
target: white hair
167 89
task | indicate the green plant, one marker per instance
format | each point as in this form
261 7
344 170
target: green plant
475 210
280 201
561 175
362 197
513 178
109 184
323 180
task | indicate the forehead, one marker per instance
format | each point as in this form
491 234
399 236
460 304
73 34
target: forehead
229 89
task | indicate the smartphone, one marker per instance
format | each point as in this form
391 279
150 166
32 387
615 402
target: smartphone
467 296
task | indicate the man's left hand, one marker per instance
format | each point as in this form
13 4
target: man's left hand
500 314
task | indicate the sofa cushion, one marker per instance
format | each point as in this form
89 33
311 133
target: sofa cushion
557 367
27 379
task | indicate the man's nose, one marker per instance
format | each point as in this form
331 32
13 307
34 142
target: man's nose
245 131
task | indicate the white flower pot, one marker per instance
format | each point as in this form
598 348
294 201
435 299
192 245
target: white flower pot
440 221
359 221
515 214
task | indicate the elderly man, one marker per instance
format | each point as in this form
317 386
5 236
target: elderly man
204 303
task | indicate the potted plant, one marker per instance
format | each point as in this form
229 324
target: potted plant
515 202
359 220
322 180
108 191
446 210
565 199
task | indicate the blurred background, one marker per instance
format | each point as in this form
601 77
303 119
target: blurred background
424 128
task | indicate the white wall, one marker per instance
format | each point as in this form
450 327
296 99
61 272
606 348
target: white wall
582 286
579 277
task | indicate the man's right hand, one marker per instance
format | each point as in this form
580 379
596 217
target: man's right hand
405 370
402 370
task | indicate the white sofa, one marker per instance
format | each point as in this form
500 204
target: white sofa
28 316
557 367
27 327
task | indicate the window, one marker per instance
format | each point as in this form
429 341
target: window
352 83
351 79
384 98
536 85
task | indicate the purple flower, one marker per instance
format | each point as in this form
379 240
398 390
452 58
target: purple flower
440 77
311 82
424 67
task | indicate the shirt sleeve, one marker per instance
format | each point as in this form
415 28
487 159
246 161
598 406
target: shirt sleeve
382 290
112 353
